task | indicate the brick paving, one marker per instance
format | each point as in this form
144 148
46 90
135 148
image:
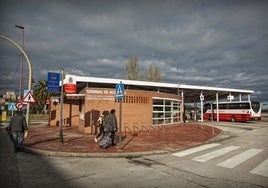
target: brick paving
166 139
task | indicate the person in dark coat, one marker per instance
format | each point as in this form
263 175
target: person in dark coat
17 126
113 124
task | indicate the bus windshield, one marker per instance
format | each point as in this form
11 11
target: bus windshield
255 106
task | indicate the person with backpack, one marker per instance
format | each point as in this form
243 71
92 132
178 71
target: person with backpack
106 141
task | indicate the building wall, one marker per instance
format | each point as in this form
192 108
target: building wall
70 113
136 108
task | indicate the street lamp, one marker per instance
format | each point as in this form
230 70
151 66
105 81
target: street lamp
21 60
30 71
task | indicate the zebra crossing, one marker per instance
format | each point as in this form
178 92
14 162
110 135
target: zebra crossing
214 154
240 158
230 163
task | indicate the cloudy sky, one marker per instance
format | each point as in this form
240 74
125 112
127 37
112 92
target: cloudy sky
195 42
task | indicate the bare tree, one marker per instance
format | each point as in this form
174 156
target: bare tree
152 74
157 74
133 69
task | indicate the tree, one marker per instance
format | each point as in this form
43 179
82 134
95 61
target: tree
41 94
133 69
153 74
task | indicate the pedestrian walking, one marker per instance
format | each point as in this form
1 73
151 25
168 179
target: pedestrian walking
18 126
113 124
106 124
106 141
100 125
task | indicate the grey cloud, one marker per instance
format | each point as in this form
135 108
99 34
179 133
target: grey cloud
213 43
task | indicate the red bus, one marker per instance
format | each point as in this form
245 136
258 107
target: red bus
234 111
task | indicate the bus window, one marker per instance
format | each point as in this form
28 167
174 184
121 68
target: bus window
233 106
244 106
223 106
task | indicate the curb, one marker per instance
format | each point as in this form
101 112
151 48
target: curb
92 155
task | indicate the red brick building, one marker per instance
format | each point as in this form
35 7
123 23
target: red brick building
140 109
144 104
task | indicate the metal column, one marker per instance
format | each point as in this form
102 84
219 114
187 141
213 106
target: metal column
217 105
182 107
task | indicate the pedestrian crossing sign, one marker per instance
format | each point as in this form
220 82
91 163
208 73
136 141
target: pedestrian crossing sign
119 91
29 98
12 106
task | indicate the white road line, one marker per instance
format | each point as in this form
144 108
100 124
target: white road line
240 158
261 169
194 150
214 154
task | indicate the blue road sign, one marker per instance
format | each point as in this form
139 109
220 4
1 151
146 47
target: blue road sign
53 82
12 106
119 91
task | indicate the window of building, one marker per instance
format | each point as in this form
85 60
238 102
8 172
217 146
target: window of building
134 99
165 111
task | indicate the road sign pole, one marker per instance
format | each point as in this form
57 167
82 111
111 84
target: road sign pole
120 125
119 94
61 107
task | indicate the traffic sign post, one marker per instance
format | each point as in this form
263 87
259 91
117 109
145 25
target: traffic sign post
53 86
19 105
12 107
119 91
119 94
53 82
61 106
29 98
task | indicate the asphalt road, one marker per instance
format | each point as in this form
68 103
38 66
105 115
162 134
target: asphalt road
238 158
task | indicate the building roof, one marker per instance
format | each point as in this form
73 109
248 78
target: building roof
191 92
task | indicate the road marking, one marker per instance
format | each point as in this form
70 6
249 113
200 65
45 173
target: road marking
194 150
261 169
240 158
214 154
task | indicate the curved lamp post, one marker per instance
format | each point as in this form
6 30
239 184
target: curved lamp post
21 60
30 71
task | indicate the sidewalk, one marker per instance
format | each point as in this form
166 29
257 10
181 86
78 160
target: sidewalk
44 140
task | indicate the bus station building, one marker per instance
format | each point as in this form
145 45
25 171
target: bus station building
145 105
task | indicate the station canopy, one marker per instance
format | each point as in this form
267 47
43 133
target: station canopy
191 93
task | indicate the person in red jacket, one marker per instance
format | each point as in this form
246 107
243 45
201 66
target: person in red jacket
17 126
